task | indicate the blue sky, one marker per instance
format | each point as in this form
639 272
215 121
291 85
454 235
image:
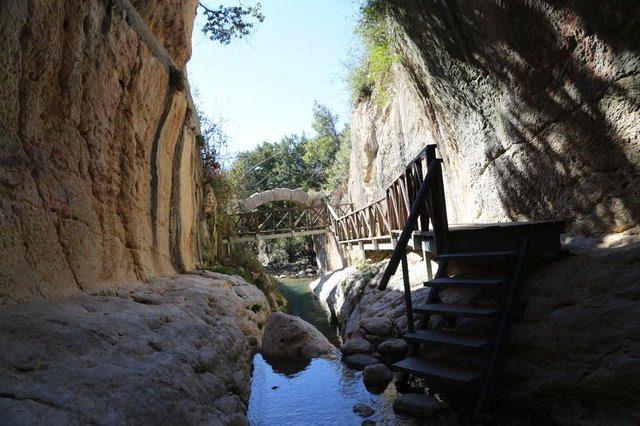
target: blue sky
263 87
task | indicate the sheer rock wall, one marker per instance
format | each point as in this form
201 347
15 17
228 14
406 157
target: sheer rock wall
534 108
533 105
98 160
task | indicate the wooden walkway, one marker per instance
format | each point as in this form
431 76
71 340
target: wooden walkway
413 216
378 225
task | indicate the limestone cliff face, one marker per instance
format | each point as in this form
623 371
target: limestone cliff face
533 106
98 161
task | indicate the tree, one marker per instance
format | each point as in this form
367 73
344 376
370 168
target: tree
228 22
273 165
321 151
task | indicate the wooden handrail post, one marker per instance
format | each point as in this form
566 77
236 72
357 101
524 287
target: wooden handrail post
439 213
407 291
425 189
431 154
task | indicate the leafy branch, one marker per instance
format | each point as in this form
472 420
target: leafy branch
228 22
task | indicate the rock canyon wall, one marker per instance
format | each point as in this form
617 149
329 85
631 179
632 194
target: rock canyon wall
535 110
98 159
533 105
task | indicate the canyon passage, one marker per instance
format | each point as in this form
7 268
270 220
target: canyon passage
371 212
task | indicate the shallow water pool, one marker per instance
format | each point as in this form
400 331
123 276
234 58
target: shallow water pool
325 391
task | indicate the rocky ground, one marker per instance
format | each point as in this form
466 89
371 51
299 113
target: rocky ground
301 268
177 349
573 358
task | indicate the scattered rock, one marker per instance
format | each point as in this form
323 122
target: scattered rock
363 410
378 326
368 423
355 346
287 337
394 347
376 377
359 361
274 387
418 405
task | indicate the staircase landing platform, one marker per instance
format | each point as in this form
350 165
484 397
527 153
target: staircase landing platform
464 237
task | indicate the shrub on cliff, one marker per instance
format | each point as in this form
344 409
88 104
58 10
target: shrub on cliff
371 75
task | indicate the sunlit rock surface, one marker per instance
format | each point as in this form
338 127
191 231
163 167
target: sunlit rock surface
98 160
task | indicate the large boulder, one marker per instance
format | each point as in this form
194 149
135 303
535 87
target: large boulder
177 350
360 361
287 337
379 326
394 347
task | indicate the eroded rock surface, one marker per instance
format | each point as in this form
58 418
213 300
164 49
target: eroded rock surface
178 350
533 108
98 159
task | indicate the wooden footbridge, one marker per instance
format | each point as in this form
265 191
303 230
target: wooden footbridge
413 216
378 225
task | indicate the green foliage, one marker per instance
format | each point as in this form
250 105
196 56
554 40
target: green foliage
371 76
273 165
288 250
297 161
366 269
244 263
339 168
228 22
320 151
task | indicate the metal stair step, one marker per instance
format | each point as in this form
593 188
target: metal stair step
465 282
453 310
440 370
470 341
478 255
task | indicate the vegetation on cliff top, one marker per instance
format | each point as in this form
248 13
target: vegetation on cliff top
371 75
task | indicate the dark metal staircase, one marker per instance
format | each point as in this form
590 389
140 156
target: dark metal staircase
472 356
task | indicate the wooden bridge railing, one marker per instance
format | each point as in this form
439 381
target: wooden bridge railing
389 213
382 218
273 221
285 220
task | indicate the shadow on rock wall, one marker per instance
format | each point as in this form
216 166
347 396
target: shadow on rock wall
556 86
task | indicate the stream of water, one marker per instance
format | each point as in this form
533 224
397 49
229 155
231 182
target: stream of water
324 392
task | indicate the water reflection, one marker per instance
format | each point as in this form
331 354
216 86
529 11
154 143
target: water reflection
301 302
320 393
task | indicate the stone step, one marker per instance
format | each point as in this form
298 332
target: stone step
453 310
470 341
440 370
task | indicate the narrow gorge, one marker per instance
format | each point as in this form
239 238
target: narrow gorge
463 249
